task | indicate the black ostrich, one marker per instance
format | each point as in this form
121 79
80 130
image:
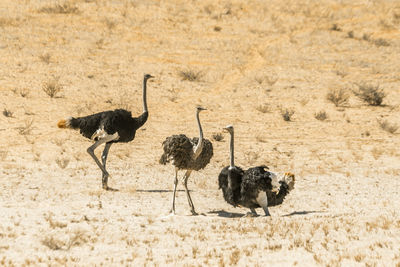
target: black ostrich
253 188
113 126
187 154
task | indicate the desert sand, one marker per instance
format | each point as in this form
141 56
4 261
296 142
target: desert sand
249 63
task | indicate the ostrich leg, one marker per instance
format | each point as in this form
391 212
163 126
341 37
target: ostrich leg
104 160
175 185
91 149
262 200
185 179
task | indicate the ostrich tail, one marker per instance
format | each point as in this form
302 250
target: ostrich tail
289 179
62 124
163 159
68 123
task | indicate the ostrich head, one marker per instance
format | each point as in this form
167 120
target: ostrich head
199 108
148 76
228 129
288 178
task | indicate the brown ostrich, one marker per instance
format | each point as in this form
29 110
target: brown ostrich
187 154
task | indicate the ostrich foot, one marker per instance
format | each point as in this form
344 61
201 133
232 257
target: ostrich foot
194 213
107 188
172 212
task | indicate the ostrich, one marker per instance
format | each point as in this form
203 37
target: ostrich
187 154
252 188
113 126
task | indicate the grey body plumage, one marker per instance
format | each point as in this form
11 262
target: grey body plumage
190 154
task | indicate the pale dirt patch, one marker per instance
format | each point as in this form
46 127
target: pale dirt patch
255 59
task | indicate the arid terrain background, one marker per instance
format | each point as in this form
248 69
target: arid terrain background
287 74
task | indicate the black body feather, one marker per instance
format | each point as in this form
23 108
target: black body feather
111 121
241 188
231 186
178 149
254 180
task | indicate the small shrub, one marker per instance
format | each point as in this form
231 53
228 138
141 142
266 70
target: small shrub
217 28
321 115
339 97
370 94
287 114
388 127
65 8
190 75
62 162
336 27
27 128
24 92
350 34
52 88
218 137
5 22
270 80
110 24
366 37
264 108
45 58
7 113
381 42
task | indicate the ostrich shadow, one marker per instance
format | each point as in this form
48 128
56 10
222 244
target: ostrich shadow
159 190
303 212
225 214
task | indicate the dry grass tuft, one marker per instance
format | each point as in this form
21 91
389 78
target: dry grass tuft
218 137
235 257
287 114
264 108
3 154
52 88
335 27
377 152
370 94
65 8
270 80
7 113
62 162
54 224
321 115
388 126
58 241
339 97
190 75
45 58
8 22
381 42
27 128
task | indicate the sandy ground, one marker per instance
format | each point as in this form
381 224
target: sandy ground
255 59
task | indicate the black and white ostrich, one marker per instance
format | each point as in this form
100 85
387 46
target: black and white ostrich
113 126
252 188
187 154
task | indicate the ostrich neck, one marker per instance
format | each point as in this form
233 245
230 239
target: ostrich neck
144 96
139 121
199 146
231 150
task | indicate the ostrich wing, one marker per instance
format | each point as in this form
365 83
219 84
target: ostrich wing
205 156
178 149
255 180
